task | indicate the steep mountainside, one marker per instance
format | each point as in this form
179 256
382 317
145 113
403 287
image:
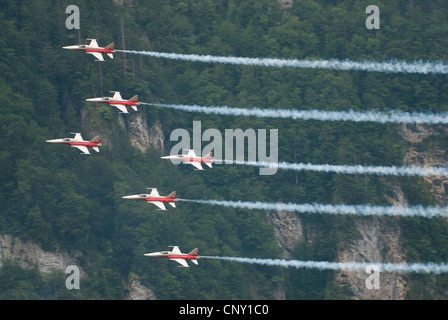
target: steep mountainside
58 207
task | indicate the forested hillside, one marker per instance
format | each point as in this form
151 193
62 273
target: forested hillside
54 196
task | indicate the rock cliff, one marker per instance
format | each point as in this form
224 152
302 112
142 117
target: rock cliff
29 254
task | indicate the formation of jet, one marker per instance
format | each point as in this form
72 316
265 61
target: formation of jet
177 256
118 101
193 159
155 198
93 49
80 143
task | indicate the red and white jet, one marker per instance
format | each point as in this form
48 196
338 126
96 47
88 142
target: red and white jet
118 101
193 159
93 49
78 142
177 256
155 198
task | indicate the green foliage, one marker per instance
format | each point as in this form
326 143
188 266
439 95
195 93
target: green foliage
52 195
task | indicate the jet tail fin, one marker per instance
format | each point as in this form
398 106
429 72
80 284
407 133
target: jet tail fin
110 46
172 195
209 156
194 252
134 98
96 139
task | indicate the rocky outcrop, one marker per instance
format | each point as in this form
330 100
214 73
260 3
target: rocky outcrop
287 230
380 241
136 291
134 123
431 156
140 135
29 254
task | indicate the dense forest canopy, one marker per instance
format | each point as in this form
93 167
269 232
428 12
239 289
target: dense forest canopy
64 201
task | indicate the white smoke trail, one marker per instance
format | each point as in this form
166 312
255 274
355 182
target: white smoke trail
357 169
392 66
350 115
339 209
347 266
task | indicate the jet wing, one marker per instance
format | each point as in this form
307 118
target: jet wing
176 250
159 204
83 149
191 154
181 261
97 55
93 43
208 164
117 95
78 137
197 165
154 193
121 107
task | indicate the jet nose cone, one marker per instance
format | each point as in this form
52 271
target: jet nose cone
95 100
153 254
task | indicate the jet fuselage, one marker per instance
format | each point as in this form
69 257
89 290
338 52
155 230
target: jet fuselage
73 142
86 48
149 198
114 101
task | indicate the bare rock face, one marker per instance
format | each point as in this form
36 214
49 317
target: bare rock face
288 230
415 133
380 241
136 291
134 123
432 157
140 135
29 254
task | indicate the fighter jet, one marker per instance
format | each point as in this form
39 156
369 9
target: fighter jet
193 159
118 101
78 142
155 198
94 49
177 256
